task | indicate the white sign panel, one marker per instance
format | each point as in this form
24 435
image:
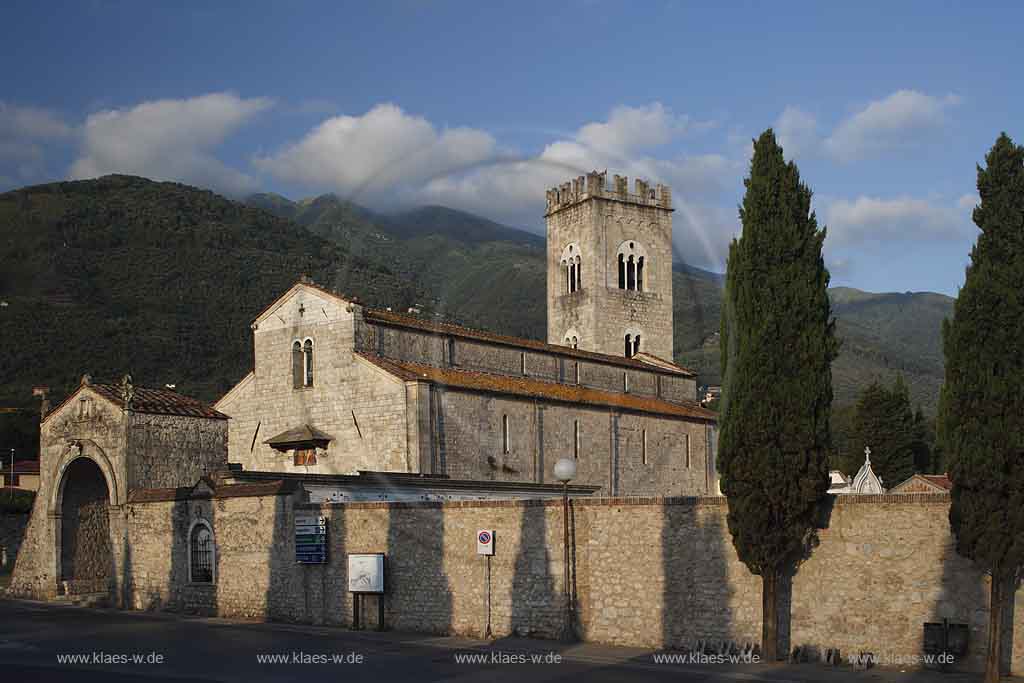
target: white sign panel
366 573
485 542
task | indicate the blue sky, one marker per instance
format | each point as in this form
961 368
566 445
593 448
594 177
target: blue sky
886 107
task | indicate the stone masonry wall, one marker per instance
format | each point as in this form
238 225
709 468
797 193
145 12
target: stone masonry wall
12 531
623 453
649 572
170 450
360 406
600 313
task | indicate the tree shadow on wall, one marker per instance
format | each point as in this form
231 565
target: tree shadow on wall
963 598
536 609
417 596
696 594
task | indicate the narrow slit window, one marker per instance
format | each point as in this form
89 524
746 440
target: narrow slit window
577 372
686 446
522 363
643 446
576 439
504 434
297 361
622 271
640 274
625 382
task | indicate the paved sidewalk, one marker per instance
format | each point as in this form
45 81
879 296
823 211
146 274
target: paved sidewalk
34 636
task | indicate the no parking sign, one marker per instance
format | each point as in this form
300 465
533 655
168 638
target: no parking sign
485 542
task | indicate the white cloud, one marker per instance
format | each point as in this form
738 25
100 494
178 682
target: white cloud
865 221
169 140
383 150
888 123
968 201
796 131
387 157
630 129
25 135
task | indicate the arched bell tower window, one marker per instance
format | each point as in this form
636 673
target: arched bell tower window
572 268
572 339
631 346
631 259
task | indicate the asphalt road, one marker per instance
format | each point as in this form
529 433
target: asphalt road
41 642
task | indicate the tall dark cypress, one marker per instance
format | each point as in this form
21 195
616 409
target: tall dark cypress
981 407
885 422
778 343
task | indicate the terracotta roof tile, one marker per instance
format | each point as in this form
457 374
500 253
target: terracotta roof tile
159 402
400 320
535 388
940 480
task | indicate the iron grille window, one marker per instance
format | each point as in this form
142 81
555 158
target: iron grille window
202 555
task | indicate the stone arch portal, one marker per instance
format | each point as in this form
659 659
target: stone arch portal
85 559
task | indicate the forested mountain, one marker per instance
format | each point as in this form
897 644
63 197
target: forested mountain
124 274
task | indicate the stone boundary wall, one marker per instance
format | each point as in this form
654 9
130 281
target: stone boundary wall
12 532
648 572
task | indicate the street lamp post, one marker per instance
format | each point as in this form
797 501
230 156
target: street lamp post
565 470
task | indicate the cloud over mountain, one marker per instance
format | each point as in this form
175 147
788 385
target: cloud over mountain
171 139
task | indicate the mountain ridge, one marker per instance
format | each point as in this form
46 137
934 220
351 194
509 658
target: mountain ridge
116 259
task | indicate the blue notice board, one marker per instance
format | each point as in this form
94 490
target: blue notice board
310 539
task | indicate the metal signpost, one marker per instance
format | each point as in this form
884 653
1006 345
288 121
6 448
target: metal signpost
485 547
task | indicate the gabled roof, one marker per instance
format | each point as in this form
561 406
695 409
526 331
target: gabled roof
298 436
304 283
940 483
529 387
148 401
642 361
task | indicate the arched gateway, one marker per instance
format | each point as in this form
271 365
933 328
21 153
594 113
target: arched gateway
84 551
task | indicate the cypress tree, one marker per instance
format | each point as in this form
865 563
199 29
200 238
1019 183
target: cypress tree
885 422
981 406
778 342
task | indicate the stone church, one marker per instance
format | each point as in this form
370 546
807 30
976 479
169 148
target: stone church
338 388
346 403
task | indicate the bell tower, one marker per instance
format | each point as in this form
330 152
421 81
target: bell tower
609 257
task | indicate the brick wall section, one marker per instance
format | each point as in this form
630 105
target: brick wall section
650 572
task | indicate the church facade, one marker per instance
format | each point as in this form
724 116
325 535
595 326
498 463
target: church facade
338 388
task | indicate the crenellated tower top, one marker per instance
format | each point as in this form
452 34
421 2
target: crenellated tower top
594 184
